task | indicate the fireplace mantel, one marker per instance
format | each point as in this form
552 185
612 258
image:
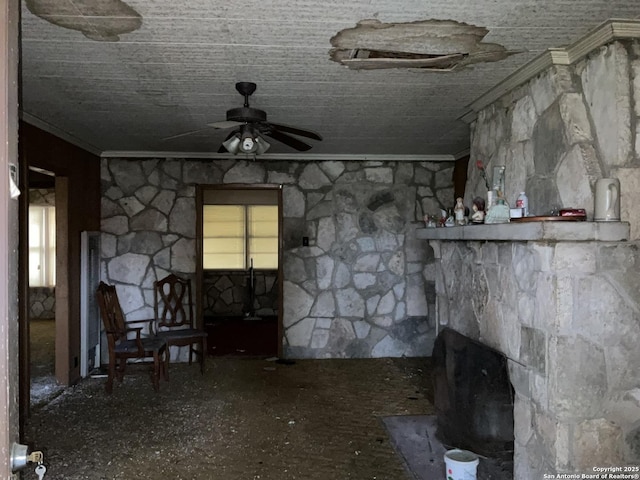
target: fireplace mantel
544 231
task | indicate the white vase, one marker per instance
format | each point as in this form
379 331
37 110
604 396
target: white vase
607 201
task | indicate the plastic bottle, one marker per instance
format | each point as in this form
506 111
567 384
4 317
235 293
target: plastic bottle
523 202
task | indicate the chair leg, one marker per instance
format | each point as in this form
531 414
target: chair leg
156 370
121 366
112 373
203 353
166 362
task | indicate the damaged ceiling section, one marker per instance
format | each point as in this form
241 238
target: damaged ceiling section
102 21
435 45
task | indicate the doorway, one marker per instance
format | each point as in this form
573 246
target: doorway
239 229
43 296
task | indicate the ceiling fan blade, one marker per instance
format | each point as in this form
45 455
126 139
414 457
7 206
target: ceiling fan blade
225 124
296 131
288 140
192 132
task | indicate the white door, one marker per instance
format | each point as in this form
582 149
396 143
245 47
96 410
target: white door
9 345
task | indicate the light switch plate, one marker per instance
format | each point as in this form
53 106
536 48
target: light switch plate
13 173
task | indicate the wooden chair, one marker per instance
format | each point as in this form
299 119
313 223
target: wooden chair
174 316
122 347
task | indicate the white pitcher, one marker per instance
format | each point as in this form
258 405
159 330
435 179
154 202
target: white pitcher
607 204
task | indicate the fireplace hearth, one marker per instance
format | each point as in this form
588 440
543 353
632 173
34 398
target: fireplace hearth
473 396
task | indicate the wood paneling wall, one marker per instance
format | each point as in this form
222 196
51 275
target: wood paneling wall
78 171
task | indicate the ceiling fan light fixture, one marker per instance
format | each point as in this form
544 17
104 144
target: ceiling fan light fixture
246 141
232 144
262 144
248 144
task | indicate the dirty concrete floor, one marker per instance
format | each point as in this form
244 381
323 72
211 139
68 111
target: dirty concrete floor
244 419
42 334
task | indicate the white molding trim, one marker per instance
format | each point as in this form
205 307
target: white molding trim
464 153
604 33
301 157
47 127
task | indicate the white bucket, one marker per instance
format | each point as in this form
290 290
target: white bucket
461 464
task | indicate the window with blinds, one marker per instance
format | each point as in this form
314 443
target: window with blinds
42 246
234 235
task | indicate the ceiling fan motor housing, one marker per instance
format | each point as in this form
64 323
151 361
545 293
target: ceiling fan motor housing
246 114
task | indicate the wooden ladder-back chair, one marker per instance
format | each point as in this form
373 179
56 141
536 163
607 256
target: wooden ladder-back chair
126 342
174 316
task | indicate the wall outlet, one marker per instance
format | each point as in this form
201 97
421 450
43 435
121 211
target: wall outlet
305 241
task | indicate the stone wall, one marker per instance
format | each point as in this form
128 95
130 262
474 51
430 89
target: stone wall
363 287
565 129
42 302
44 197
566 314
227 294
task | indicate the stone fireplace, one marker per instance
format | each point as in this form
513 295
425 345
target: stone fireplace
559 304
561 300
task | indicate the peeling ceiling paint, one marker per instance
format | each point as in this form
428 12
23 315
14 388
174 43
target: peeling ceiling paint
102 21
440 45
176 72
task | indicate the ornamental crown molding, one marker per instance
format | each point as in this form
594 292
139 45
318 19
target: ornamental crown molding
606 32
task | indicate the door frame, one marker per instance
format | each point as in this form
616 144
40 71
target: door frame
199 270
9 239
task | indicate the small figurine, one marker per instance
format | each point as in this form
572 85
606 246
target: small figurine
478 210
459 212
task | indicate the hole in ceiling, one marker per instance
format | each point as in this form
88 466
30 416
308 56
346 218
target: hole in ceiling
103 21
436 45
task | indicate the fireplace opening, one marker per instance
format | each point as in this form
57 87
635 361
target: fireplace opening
473 396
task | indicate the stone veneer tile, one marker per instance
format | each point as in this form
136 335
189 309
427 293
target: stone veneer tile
576 391
575 117
562 322
324 307
524 119
519 377
575 257
320 338
604 314
577 171
544 91
622 365
526 309
298 304
630 192
245 172
533 349
606 84
299 334
597 442
293 202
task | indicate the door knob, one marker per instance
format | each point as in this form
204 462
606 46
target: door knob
20 457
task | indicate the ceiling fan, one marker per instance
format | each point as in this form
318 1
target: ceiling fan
250 126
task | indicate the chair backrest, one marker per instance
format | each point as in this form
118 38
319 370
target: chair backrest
173 305
111 312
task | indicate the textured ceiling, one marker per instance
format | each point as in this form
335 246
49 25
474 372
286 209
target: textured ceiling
116 76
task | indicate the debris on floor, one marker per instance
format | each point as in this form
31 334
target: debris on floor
234 422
